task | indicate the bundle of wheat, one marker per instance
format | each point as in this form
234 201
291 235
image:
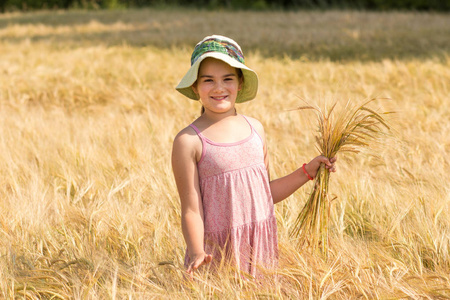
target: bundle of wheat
346 131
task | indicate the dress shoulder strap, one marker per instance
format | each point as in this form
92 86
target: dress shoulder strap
200 135
202 139
195 128
249 123
253 128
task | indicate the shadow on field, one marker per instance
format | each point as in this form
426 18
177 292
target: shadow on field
312 35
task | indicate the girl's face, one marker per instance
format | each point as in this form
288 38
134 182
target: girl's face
217 85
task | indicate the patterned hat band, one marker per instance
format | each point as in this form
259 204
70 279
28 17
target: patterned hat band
215 45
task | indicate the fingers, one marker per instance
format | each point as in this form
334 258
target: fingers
325 160
190 269
208 259
315 164
197 263
332 168
330 163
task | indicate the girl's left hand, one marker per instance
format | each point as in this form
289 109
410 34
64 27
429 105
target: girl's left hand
313 166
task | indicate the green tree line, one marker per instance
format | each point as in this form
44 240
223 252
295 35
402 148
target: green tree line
419 5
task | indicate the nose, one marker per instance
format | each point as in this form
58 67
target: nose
218 86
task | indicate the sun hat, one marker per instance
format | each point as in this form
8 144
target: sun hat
228 51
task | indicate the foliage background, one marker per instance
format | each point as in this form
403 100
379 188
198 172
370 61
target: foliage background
433 5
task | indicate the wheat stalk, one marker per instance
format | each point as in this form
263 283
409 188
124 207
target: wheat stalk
348 131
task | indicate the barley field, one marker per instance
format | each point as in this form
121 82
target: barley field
88 111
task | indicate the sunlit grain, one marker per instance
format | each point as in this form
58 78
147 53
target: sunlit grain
88 111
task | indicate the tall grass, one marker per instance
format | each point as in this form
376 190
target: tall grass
88 204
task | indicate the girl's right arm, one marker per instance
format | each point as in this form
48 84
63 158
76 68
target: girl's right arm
185 152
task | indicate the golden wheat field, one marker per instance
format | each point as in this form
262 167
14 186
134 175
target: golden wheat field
88 111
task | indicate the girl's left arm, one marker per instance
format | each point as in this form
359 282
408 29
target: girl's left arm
283 187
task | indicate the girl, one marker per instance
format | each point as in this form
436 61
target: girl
220 164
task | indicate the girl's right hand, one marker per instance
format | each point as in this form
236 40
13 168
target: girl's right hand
198 261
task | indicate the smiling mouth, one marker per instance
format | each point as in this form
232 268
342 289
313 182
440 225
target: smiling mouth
219 98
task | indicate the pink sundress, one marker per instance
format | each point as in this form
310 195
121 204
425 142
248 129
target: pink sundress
239 220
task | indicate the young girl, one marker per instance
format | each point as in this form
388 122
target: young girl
220 164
